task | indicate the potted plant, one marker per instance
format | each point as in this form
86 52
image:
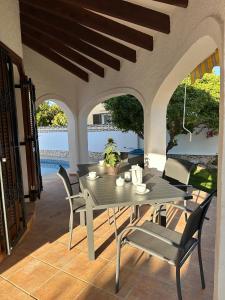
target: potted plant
111 157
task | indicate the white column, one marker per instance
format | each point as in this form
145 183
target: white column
219 275
73 143
83 139
155 134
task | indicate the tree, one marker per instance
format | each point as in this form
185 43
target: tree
202 110
127 114
51 115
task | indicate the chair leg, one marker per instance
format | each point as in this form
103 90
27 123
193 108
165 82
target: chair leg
118 254
201 265
82 218
114 221
179 294
70 230
108 216
185 215
131 214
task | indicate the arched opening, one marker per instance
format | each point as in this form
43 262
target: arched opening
57 134
199 51
116 115
157 141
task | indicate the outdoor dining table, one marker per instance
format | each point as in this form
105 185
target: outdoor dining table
102 193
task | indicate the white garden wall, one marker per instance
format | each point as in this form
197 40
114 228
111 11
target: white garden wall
200 145
126 141
57 139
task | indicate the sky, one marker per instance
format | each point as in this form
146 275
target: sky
216 70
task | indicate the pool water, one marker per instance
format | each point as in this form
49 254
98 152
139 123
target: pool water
50 166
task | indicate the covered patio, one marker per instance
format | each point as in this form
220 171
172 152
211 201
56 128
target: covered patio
80 53
42 267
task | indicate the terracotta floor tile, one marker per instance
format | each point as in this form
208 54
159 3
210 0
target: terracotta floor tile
57 255
10 292
81 267
61 286
151 288
32 275
93 293
106 280
12 264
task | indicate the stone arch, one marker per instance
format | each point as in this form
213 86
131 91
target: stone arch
72 127
201 45
98 98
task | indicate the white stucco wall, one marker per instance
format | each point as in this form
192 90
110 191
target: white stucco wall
10 25
126 141
199 145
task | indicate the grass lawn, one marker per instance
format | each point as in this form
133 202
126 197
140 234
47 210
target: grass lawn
204 179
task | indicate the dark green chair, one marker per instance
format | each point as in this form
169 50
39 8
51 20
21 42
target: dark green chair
166 244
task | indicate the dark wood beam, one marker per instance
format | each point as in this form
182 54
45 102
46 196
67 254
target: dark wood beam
62 49
80 32
77 44
53 56
94 21
181 3
127 11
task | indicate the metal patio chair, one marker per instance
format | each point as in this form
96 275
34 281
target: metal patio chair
77 203
177 172
168 245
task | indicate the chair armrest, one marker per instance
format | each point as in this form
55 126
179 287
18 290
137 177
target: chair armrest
182 208
163 239
187 210
80 195
183 185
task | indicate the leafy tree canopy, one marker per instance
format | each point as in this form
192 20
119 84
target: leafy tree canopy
202 109
127 113
51 115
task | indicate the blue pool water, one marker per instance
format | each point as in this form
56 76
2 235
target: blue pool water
50 166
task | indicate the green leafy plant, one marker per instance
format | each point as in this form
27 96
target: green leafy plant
50 115
111 153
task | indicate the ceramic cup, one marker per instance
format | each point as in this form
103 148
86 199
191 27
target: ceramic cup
141 188
120 181
92 175
127 176
101 163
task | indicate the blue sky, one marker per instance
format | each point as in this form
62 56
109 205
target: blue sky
216 70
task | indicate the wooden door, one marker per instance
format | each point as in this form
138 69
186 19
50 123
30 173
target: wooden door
31 139
12 216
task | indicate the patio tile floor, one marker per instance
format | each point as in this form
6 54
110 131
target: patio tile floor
41 267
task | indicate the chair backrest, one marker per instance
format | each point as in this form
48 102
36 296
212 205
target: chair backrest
66 181
196 219
178 169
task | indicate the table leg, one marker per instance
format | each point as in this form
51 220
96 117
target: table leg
82 218
90 230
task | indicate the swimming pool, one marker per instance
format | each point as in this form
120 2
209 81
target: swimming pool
51 166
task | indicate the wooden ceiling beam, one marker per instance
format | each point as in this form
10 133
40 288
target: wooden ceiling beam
127 11
54 57
76 44
94 21
67 52
80 32
180 3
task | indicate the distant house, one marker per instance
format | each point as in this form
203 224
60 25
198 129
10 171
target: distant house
99 116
